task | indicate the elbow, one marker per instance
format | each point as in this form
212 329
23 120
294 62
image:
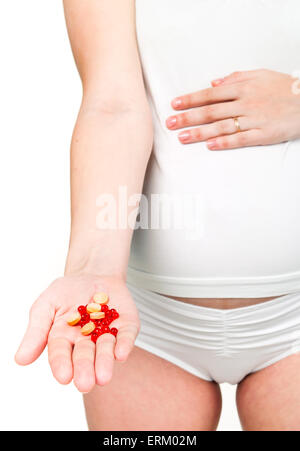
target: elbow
136 114
112 103
102 106
114 107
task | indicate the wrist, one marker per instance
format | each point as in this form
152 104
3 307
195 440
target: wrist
75 269
97 259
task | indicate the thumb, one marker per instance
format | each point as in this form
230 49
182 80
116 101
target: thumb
36 336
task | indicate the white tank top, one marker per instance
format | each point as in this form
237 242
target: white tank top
245 241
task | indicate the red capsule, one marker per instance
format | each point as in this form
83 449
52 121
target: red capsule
98 331
94 337
85 317
105 322
114 331
104 308
115 315
81 309
105 330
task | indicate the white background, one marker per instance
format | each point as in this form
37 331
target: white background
39 99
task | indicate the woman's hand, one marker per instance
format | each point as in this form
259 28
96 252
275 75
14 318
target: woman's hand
71 355
266 104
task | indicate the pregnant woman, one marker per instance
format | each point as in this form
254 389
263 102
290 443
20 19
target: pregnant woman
195 105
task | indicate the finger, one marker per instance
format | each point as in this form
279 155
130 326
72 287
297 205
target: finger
207 114
125 341
235 77
35 339
205 97
219 128
104 358
83 364
60 359
242 139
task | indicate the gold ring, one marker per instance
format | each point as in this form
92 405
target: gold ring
237 124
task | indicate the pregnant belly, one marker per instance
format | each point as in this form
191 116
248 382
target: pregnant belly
247 226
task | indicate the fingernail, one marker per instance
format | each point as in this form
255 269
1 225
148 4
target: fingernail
218 81
171 121
184 136
212 144
176 103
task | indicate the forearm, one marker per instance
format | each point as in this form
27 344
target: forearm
109 150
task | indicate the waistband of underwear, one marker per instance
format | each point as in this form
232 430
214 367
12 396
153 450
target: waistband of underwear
275 306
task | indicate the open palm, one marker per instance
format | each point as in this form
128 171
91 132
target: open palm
71 355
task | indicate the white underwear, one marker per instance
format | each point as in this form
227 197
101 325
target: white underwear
218 345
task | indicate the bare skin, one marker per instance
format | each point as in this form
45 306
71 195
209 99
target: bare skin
269 400
111 146
149 393
223 303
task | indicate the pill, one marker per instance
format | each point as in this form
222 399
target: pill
114 331
81 309
88 328
94 337
98 331
97 315
85 317
100 298
93 307
74 319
